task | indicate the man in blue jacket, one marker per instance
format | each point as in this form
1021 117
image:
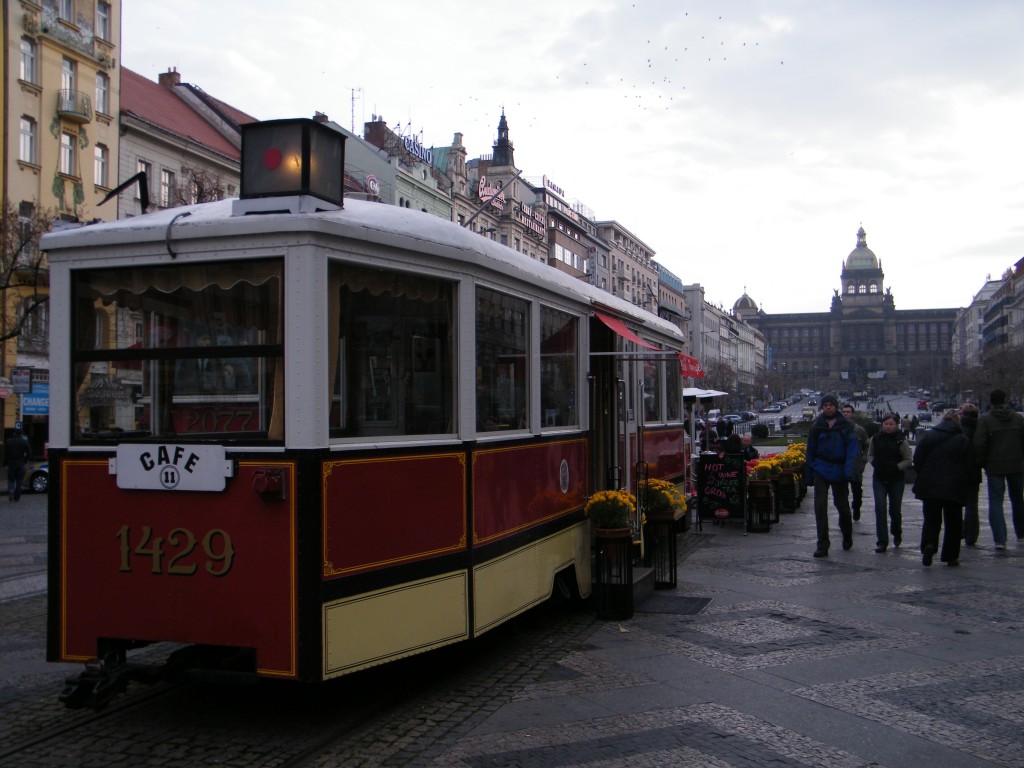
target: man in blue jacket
832 453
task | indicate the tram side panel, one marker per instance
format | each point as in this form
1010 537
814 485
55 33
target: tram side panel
527 525
449 566
398 521
208 568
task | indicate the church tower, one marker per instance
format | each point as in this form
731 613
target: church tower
503 147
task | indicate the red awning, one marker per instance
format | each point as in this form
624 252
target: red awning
623 331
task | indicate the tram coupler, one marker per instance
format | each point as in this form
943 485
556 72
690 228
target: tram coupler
102 680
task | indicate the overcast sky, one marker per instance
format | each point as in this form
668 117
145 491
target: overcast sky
744 142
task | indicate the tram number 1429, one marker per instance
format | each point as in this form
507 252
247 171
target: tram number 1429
178 545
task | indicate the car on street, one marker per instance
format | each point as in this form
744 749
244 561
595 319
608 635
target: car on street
749 415
735 418
926 416
812 401
37 477
776 408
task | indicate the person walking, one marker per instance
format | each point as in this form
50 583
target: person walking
972 524
999 447
16 453
857 481
831 457
906 426
889 454
942 459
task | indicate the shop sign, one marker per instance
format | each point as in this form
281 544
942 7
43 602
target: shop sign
170 467
496 195
37 402
22 380
413 146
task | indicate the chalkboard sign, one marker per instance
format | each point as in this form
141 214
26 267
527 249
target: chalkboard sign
721 491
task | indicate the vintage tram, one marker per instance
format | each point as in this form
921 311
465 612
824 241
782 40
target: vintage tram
302 436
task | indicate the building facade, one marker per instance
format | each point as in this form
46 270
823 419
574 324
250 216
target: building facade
187 143
59 159
863 343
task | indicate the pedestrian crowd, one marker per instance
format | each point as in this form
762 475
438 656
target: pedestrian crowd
947 461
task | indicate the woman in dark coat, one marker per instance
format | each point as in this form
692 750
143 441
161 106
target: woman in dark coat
968 425
889 454
943 460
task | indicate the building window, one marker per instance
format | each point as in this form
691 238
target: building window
27 148
102 166
28 60
68 146
102 93
68 78
103 21
166 188
67 10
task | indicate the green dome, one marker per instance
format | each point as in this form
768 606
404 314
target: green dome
862 257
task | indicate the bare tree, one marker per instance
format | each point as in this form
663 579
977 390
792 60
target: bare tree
720 376
24 271
199 185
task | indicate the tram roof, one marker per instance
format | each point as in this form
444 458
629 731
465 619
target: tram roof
359 219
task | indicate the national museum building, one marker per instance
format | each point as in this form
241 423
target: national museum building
863 343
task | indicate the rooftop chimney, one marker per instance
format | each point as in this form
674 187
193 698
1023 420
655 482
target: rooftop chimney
170 78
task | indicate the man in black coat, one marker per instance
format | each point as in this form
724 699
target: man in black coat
16 453
943 460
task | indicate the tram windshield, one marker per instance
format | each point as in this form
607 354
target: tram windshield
189 351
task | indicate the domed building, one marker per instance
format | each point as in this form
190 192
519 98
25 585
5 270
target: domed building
862 344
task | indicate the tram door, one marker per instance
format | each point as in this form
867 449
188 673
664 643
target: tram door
614 409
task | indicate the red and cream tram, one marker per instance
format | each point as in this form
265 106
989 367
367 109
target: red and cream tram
317 437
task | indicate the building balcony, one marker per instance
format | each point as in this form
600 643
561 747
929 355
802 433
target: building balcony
74 106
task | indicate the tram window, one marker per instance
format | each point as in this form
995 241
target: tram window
558 367
652 390
673 391
502 344
391 353
208 360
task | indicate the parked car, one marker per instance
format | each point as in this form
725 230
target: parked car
748 416
735 418
776 408
940 406
37 477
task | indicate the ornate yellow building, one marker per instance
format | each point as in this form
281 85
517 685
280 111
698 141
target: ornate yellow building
59 158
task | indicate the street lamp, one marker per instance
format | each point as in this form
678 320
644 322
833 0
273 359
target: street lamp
815 377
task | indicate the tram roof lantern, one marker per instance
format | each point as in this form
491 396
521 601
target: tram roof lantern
297 156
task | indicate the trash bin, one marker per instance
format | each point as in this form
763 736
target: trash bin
760 505
613 573
661 549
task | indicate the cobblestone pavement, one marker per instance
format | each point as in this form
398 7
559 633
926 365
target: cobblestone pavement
860 659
